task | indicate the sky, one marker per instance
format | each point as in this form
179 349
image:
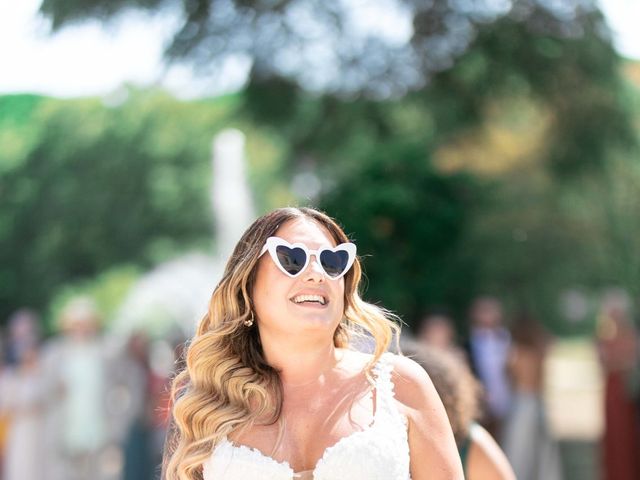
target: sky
91 59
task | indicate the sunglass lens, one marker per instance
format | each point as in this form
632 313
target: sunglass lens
334 263
291 259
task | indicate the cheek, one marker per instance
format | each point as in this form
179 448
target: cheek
269 287
260 288
341 301
340 308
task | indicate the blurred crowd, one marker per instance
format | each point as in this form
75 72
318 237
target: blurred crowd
81 405
85 405
501 368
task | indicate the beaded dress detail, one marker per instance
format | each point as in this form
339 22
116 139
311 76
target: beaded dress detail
379 452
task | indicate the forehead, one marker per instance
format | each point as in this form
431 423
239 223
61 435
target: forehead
307 231
488 306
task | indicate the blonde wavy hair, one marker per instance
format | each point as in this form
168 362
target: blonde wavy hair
227 383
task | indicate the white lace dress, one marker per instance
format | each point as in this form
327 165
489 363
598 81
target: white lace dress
379 452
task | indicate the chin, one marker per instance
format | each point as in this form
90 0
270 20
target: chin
316 321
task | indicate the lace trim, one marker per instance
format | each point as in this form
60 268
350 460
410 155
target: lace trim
255 459
275 470
352 437
305 475
385 391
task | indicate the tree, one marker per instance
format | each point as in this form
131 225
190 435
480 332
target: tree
85 187
408 223
341 97
293 38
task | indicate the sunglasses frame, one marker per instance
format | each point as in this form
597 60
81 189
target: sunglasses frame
272 243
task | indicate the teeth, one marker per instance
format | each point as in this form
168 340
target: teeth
309 298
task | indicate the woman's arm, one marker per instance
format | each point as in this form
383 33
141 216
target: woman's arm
432 448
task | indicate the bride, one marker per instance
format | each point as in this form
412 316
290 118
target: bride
272 389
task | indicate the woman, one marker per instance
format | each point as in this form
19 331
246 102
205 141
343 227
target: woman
23 399
528 442
481 456
271 389
618 348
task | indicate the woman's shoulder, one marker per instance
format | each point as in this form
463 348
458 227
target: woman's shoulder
412 386
411 383
486 459
357 360
431 444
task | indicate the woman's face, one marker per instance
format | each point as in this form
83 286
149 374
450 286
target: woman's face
278 299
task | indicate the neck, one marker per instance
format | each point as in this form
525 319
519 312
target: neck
301 364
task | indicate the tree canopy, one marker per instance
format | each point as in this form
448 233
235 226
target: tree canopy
87 186
329 46
473 148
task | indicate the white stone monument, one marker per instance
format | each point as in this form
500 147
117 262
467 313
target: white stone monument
175 294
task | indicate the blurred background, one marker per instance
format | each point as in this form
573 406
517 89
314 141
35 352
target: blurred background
483 154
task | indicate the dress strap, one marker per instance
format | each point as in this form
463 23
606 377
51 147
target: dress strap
382 372
384 386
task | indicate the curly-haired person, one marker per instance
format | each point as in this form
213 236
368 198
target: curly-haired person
482 458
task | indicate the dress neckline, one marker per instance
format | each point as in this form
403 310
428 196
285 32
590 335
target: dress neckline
380 380
285 464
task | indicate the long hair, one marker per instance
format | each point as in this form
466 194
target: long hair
452 378
227 383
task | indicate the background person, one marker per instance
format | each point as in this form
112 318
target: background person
619 357
436 330
22 402
527 440
481 457
488 348
78 424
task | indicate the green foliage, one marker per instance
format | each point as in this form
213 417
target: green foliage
611 221
107 289
93 186
64 12
87 187
526 249
18 128
408 221
313 42
575 78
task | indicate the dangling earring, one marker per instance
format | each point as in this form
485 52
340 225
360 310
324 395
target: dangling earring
249 321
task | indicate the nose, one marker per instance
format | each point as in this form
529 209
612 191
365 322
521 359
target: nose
313 272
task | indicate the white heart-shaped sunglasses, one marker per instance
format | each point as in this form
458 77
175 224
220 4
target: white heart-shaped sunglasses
292 259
